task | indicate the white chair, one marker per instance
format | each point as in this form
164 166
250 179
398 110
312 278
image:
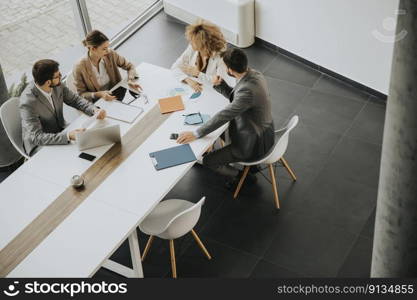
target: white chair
170 220
12 123
70 113
276 154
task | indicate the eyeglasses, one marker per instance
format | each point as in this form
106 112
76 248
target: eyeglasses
59 76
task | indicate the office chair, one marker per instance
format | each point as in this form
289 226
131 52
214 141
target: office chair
170 220
277 154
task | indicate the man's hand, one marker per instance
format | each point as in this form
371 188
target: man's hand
186 137
190 70
216 80
196 86
100 113
73 133
106 95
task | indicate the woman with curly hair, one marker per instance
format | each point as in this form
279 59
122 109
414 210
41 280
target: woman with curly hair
202 59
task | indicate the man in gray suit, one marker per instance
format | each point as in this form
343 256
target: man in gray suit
41 108
251 127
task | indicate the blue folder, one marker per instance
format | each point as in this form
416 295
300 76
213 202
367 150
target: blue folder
171 157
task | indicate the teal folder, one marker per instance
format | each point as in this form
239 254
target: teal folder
171 157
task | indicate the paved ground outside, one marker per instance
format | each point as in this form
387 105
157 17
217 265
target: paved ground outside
31 30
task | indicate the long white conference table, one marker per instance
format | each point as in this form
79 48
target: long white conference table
85 239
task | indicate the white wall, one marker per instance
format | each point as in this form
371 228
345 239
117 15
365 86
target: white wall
335 34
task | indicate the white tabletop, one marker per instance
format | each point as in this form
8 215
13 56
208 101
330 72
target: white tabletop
80 244
22 198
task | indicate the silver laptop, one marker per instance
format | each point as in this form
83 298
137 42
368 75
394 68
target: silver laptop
96 137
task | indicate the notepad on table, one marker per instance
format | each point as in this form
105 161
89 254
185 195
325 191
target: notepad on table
173 156
171 104
120 111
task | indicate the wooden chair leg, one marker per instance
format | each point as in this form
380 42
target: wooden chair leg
274 185
242 179
173 264
285 163
147 247
202 247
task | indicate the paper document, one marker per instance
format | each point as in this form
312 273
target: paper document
119 111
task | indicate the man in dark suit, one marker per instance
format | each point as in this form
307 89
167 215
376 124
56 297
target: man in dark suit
41 108
251 128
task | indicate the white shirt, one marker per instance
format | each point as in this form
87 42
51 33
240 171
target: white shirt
101 73
215 66
48 96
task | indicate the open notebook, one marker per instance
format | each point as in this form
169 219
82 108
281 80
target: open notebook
119 111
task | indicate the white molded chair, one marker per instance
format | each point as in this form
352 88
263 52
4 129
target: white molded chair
170 220
275 155
12 123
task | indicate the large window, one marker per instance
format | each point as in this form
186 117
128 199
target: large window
111 16
31 30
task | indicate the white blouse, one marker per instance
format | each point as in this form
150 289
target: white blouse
101 74
215 66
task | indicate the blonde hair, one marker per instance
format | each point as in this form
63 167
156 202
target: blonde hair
206 36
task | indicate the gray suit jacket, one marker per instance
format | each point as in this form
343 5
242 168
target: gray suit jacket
251 127
41 124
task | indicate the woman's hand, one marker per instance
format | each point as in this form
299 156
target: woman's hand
196 86
216 80
134 85
190 70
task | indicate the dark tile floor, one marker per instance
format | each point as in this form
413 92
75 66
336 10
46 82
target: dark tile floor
325 225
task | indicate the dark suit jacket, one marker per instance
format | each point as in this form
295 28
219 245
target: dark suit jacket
41 124
251 127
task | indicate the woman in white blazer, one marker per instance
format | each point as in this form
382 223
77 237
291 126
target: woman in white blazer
202 59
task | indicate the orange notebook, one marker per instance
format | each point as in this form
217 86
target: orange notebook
170 104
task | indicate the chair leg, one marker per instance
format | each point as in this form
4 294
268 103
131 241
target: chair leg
203 248
147 247
285 163
274 185
242 179
173 264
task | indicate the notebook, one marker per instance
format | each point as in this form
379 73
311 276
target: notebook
170 104
119 111
171 157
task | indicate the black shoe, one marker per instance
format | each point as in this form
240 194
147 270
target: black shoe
232 183
254 169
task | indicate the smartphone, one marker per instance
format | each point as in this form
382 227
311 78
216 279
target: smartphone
173 136
87 156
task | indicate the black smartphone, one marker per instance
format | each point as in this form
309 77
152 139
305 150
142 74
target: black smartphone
87 156
119 93
173 136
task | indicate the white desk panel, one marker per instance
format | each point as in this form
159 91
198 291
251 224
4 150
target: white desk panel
79 245
22 198
135 185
